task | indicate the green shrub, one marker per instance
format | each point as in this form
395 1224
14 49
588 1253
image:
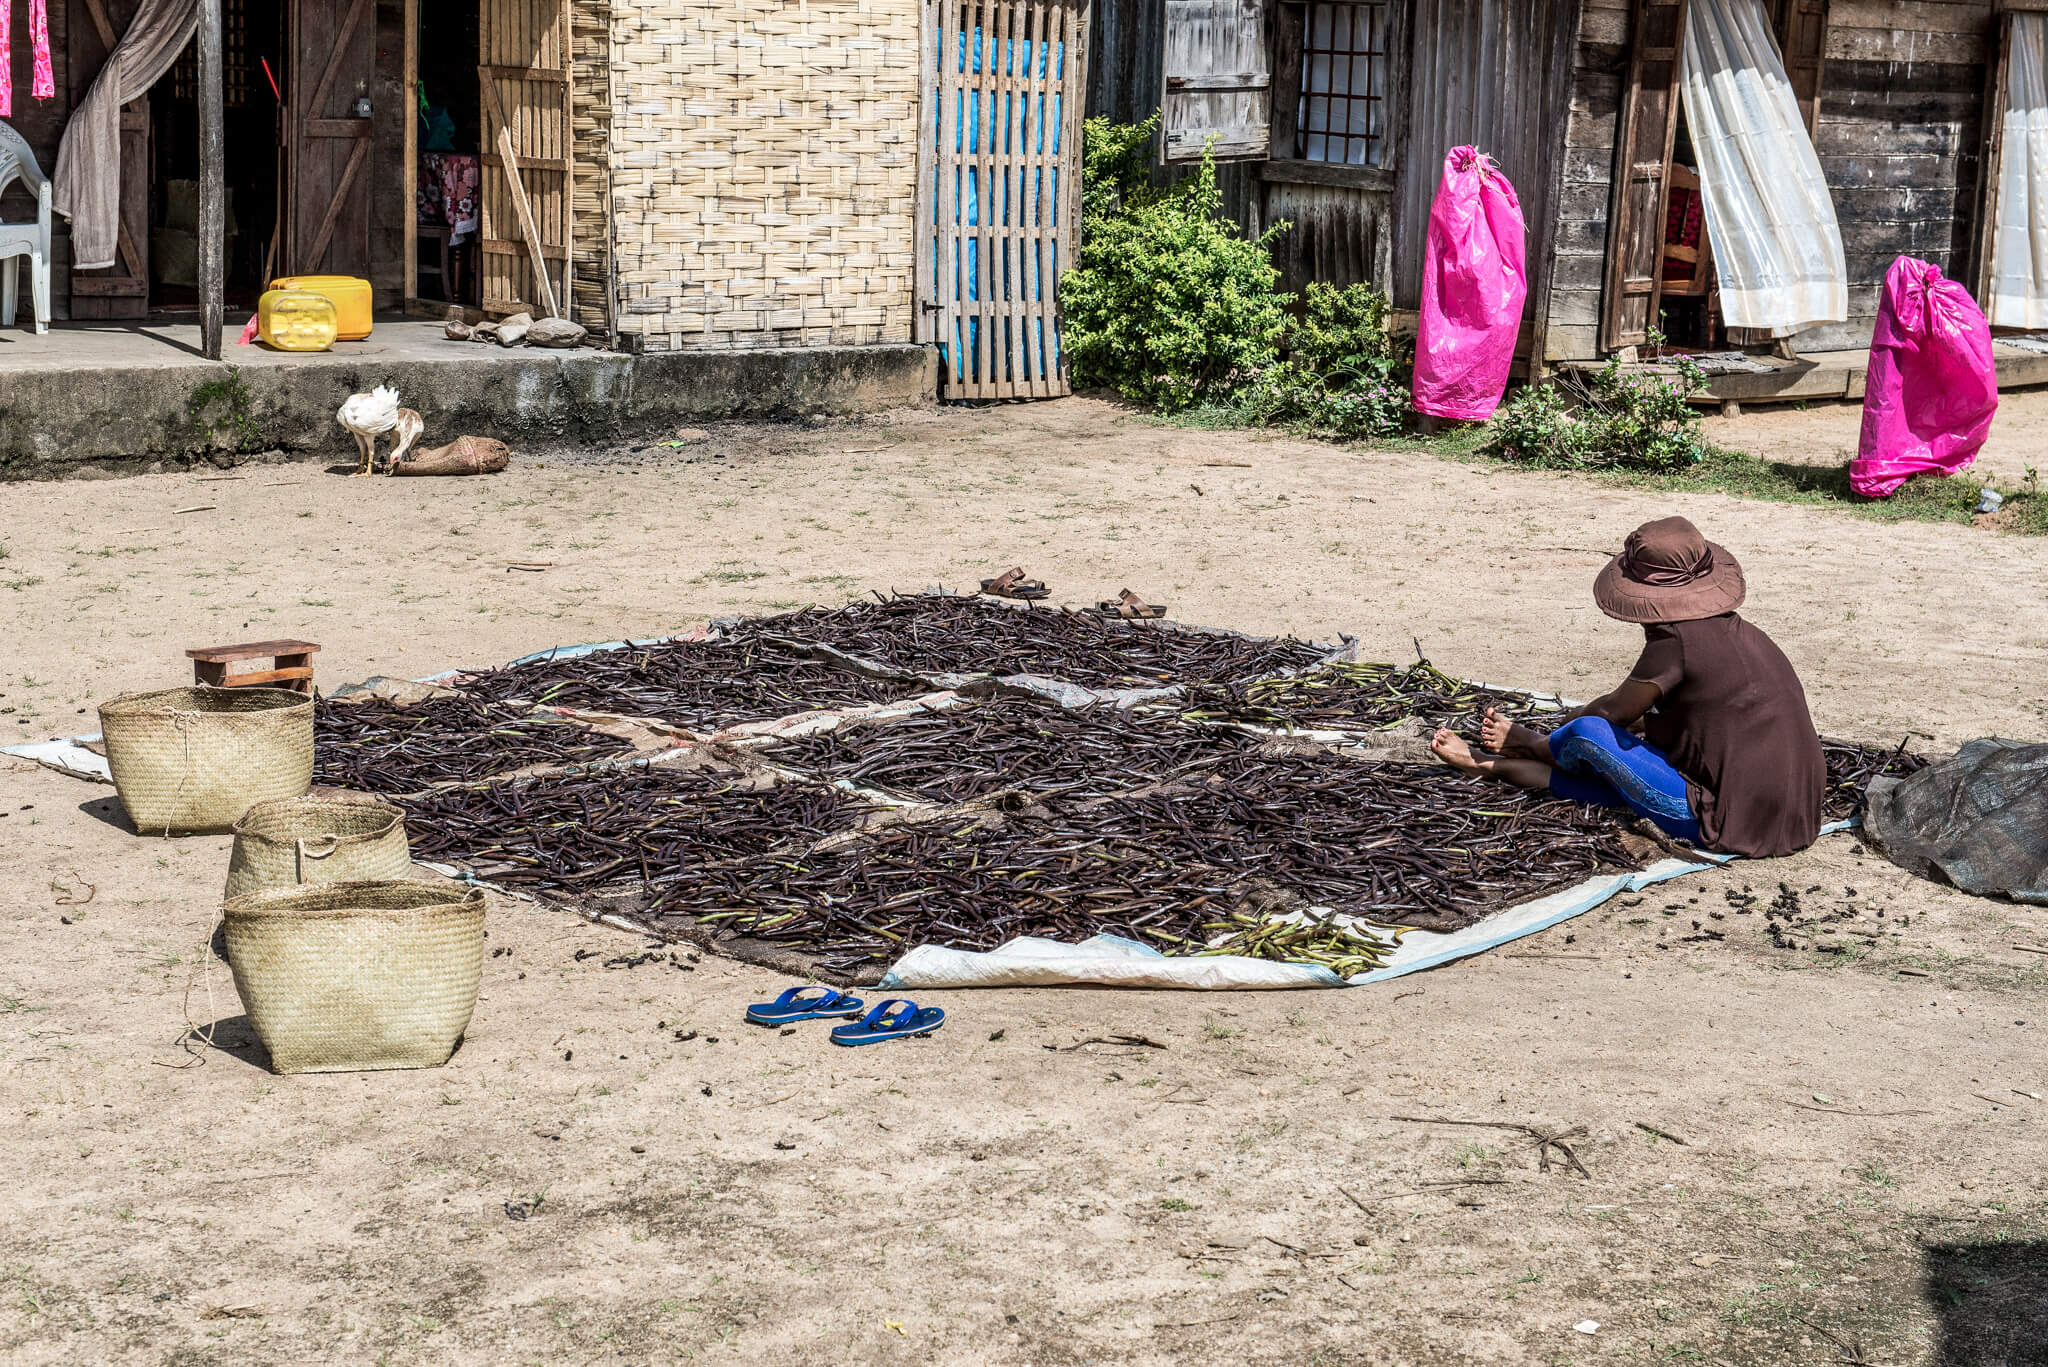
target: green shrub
1609 420
1169 303
1341 377
1343 332
1116 168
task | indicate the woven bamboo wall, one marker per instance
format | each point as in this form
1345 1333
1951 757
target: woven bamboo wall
764 166
590 122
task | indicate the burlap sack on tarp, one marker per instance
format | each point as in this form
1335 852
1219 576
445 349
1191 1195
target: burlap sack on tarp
1979 821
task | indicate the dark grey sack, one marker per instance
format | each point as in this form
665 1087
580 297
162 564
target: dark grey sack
1979 821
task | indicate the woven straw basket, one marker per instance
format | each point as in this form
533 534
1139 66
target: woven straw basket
293 840
345 977
195 759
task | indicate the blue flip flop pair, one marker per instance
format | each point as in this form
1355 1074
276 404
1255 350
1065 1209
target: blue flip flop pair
892 1019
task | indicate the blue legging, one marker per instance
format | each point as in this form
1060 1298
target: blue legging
1599 764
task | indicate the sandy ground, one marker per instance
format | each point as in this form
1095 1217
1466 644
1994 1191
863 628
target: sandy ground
1860 1175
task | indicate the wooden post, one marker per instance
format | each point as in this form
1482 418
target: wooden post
212 191
412 162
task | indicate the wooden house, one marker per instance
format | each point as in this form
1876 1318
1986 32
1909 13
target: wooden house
674 174
1335 117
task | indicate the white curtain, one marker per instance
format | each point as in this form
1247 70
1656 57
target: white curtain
87 186
2019 248
1777 247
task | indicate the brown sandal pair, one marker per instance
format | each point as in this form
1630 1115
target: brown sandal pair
1131 607
1013 583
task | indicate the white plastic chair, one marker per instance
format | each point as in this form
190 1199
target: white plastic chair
32 240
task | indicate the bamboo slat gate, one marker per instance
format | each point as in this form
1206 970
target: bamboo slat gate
999 190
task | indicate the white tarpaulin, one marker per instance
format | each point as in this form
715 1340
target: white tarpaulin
1777 247
2019 247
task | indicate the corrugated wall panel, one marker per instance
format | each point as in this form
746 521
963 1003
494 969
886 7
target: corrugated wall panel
1493 73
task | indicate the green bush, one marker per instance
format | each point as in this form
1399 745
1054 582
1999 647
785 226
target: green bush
1116 168
1609 420
1169 303
1341 376
1343 332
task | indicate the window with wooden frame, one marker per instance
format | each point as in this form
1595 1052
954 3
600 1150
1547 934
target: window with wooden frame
1341 102
1337 80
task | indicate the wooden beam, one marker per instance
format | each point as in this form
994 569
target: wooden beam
212 183
411 209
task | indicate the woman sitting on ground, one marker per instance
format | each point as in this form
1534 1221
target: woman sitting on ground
1729 759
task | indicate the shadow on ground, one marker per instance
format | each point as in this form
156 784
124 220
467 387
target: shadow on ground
1990 1303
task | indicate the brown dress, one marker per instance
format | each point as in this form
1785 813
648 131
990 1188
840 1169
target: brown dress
1732 718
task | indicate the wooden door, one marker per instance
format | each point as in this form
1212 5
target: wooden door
1218 81
1642 154
122 290
527 170
999 190
327 190
1802 40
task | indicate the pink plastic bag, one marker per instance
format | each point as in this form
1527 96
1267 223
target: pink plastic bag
1932 386
1474 283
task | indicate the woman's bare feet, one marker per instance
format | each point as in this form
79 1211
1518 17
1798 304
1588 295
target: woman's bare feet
1511 738
1451 748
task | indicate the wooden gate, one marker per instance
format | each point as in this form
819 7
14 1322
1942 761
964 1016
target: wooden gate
121 290
327 196
999 190
527 169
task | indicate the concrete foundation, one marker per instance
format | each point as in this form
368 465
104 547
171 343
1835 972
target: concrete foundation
84 401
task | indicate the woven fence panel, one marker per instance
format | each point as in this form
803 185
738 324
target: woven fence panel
764 171
999 194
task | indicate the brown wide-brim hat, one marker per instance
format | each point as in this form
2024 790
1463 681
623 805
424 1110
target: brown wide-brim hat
1668 572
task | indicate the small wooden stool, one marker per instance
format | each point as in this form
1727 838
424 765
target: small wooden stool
291 665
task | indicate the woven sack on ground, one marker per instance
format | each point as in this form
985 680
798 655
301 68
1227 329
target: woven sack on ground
295 840
463 456
195 759
346 977
1978 821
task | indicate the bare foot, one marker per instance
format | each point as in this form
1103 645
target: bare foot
1505 737
1450 747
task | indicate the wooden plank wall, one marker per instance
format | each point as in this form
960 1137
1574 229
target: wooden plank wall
1900 140
1484 74
1579 238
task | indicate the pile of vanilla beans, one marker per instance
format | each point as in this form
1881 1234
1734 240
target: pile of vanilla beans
1159 825
374 745
934 633
954 753
702 685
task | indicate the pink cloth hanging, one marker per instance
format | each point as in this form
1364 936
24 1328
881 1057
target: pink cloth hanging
6 59
44 84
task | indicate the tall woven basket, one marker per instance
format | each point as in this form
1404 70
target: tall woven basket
293 840
194 759
346 977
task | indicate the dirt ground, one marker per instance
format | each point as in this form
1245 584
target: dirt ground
1859 1177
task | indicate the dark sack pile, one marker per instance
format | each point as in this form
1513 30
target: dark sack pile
1980 820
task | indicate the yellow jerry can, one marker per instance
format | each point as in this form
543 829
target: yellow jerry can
351 296
296 320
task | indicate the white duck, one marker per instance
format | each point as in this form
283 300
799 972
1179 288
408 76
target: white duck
369 416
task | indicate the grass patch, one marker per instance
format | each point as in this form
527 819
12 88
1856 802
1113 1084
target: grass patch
1928 498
